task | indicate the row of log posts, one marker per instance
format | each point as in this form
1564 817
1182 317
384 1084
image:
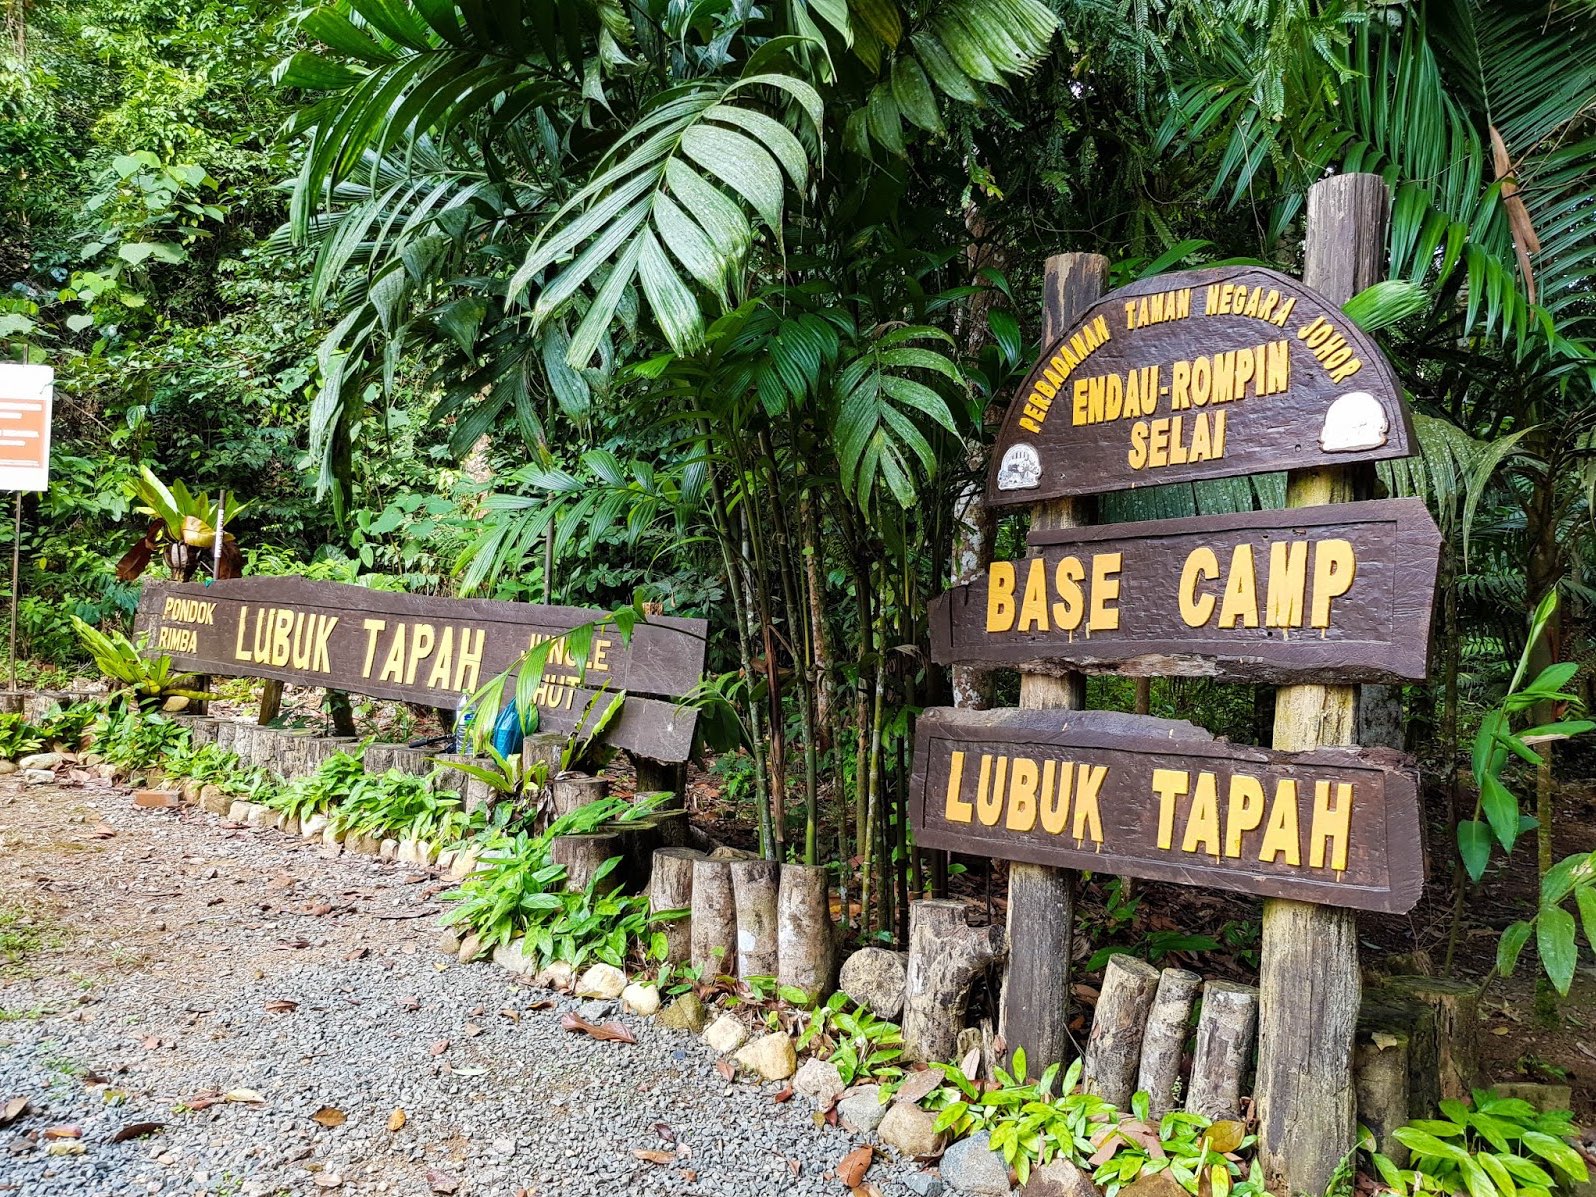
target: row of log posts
1036 984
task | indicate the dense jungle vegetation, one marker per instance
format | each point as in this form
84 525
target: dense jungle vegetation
714 305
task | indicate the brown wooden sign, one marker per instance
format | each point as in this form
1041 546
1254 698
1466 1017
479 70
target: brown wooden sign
1334 593
431 650
1201 374
1159 798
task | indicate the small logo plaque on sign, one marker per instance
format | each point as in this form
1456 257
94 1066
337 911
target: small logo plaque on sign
26 397
1201 374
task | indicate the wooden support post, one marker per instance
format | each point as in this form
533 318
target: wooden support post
714 932
1165 1038
1225 1032
1041 916
1309 988
271 701
754 887
670 887
575 790
946 955
1114 1049
805 943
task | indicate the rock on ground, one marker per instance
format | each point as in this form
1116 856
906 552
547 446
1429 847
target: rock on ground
725 1034
972 1167
184 959
876 979
861 1110
910 1131
819 1081
770 1057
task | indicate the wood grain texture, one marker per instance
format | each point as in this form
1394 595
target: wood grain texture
1164 1042
1377 626
670 887
1126 794
421 648
1268 429
1034 1002
946 955
754 887
805 942
1114 1048
1226 1030
1309 986
714 928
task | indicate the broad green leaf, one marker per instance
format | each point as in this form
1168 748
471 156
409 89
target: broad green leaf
912 91
1474 846
1501 810
742 165
1554 937
1511 945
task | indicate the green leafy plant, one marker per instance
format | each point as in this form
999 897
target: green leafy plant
399 804
142 678
67 725
1494 1147
322 790
18 737
861 1045
184 528
135 739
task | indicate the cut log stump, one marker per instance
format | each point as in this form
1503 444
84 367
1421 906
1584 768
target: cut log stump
806 956
1162 1045
946 955
670 887
714 931
754 888
1114 1049
1226 1030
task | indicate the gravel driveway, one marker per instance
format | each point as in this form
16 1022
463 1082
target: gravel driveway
184 959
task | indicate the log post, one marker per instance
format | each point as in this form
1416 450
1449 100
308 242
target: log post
1036 986
1455 1005
1380 1078
582 855
754 887
1396 1013
1114 1049
1309 988
1165 1039
714 929
670 887
271 701
946 955
572 791
1225 1031
806 956
654 776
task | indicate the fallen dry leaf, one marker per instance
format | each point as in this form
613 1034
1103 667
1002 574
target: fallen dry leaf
540 1004
357 953
328 1180
103 831
319 909
14 1108
1225 1135
472 1030
441 1182
854 1165
466 1071
608 1032
793 1166
439 1046
410 1004
67 1131
329 1116
726 1069
664 1131
136 1130
281 1006
783 1095
654 1157
689 1174
396 1120
512 1014
970 1066
918 1084
244 1096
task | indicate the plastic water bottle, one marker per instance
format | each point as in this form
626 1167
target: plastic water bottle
464 713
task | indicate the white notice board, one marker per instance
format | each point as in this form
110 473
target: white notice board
26 397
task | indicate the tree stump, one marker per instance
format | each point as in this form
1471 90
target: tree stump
12 702
226 734
674 829
1114 1049
540 755
1165 1039
573 791
1225 1031
1457 1029
1385 1009
670 887
654 776
754 887
946 955
714 929
805 945
1380 1077
582 855
378 758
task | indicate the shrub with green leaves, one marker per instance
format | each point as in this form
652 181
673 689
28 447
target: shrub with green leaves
399 805
862 1046
18 737
1495 1147
324 789
135 739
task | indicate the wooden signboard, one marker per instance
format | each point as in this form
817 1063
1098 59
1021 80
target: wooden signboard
26 399
1160 798
1335 593
431 650
1201 374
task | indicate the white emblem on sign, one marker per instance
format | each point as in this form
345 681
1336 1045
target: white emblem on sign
1021 469
1355 421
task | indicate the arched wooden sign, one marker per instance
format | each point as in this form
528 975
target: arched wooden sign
1201 374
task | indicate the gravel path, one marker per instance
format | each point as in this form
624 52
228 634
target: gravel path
186 958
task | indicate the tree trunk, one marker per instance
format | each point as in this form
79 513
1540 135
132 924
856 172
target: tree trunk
945 958
582 855
1114 1049
1455 1005
1165 1039
805 944
1380 1073
670 887
754 888
573 791
1225 1031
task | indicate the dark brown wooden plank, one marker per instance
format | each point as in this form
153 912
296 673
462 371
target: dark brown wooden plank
1243 815
429 649
1119 597
1086 419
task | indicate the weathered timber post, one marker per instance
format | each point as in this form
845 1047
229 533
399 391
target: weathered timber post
670 887
713 935
1165 1038
271 701
1309 988
1114 1050
754 888
1225 1031
1036 984
805 941
946 955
